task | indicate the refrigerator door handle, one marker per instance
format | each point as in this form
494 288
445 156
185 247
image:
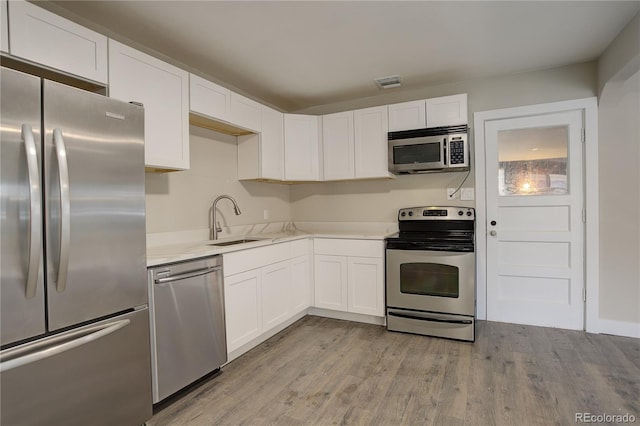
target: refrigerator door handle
65 210
35 211
28 354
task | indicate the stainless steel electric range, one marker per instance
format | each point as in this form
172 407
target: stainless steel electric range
431 273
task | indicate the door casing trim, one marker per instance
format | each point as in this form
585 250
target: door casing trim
589 107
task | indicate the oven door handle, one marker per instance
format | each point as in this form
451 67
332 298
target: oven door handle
450 321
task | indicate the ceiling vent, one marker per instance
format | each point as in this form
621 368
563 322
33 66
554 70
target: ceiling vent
388 82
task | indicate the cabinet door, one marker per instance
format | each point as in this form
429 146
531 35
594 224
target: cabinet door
276 291
331 282
447 111
243 308
338 146
4 26
245 112
301 149
371 142
209 99
300 284
272 144
366 285
164 91
407 116
48 39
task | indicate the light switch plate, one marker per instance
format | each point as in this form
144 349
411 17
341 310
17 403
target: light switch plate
467 194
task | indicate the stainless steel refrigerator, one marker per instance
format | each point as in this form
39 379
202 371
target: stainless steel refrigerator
74 306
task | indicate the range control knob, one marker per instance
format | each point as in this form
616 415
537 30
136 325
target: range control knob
469 213
410 213
460 212
403 214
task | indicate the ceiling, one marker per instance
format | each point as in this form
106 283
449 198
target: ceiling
298 54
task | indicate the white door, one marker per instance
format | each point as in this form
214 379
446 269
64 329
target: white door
534 205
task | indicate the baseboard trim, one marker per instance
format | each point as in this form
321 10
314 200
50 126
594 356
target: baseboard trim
619 328
348 316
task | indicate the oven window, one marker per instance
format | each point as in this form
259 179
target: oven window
417 153
429 279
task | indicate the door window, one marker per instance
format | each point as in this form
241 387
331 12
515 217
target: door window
533 161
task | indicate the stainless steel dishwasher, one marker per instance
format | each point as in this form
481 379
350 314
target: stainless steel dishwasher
187 323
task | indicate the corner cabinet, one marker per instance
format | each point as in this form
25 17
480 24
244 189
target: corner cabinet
301 147
261 156
349 275
37 35
163 89
265 289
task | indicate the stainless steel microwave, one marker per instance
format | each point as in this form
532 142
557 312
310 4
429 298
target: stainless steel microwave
429 150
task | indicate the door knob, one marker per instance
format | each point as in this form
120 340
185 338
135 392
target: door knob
493 233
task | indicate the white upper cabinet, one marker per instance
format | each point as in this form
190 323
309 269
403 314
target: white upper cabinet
407 116
209 99
42 37
164 91
261 156
447 111
245 112
434 112
301 147
371 142
4 26
338 146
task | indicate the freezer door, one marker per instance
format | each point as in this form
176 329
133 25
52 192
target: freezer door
96 375
22 313
94 205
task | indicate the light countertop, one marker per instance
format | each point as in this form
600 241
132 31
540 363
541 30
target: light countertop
169 253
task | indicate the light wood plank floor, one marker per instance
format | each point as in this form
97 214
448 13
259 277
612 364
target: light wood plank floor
322 371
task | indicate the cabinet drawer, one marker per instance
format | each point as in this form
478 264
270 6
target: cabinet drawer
247 260
344 247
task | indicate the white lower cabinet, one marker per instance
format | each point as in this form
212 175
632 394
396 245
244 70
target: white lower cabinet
330 282
301 284
243 308
366 285
275 288
351 279
276 285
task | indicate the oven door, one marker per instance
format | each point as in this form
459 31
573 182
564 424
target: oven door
434 281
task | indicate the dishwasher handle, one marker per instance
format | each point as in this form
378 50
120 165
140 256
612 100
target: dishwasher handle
189 274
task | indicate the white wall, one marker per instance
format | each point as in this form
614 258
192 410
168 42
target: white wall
619 170
181 201
379 201
619 192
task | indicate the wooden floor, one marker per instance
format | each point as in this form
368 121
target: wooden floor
322 371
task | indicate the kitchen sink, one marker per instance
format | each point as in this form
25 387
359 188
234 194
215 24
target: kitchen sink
234 242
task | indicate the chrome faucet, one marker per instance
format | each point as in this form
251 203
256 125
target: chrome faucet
215 228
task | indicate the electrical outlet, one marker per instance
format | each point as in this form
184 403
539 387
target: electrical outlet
467 194
451 195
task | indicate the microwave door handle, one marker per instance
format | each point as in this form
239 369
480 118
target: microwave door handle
444 151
